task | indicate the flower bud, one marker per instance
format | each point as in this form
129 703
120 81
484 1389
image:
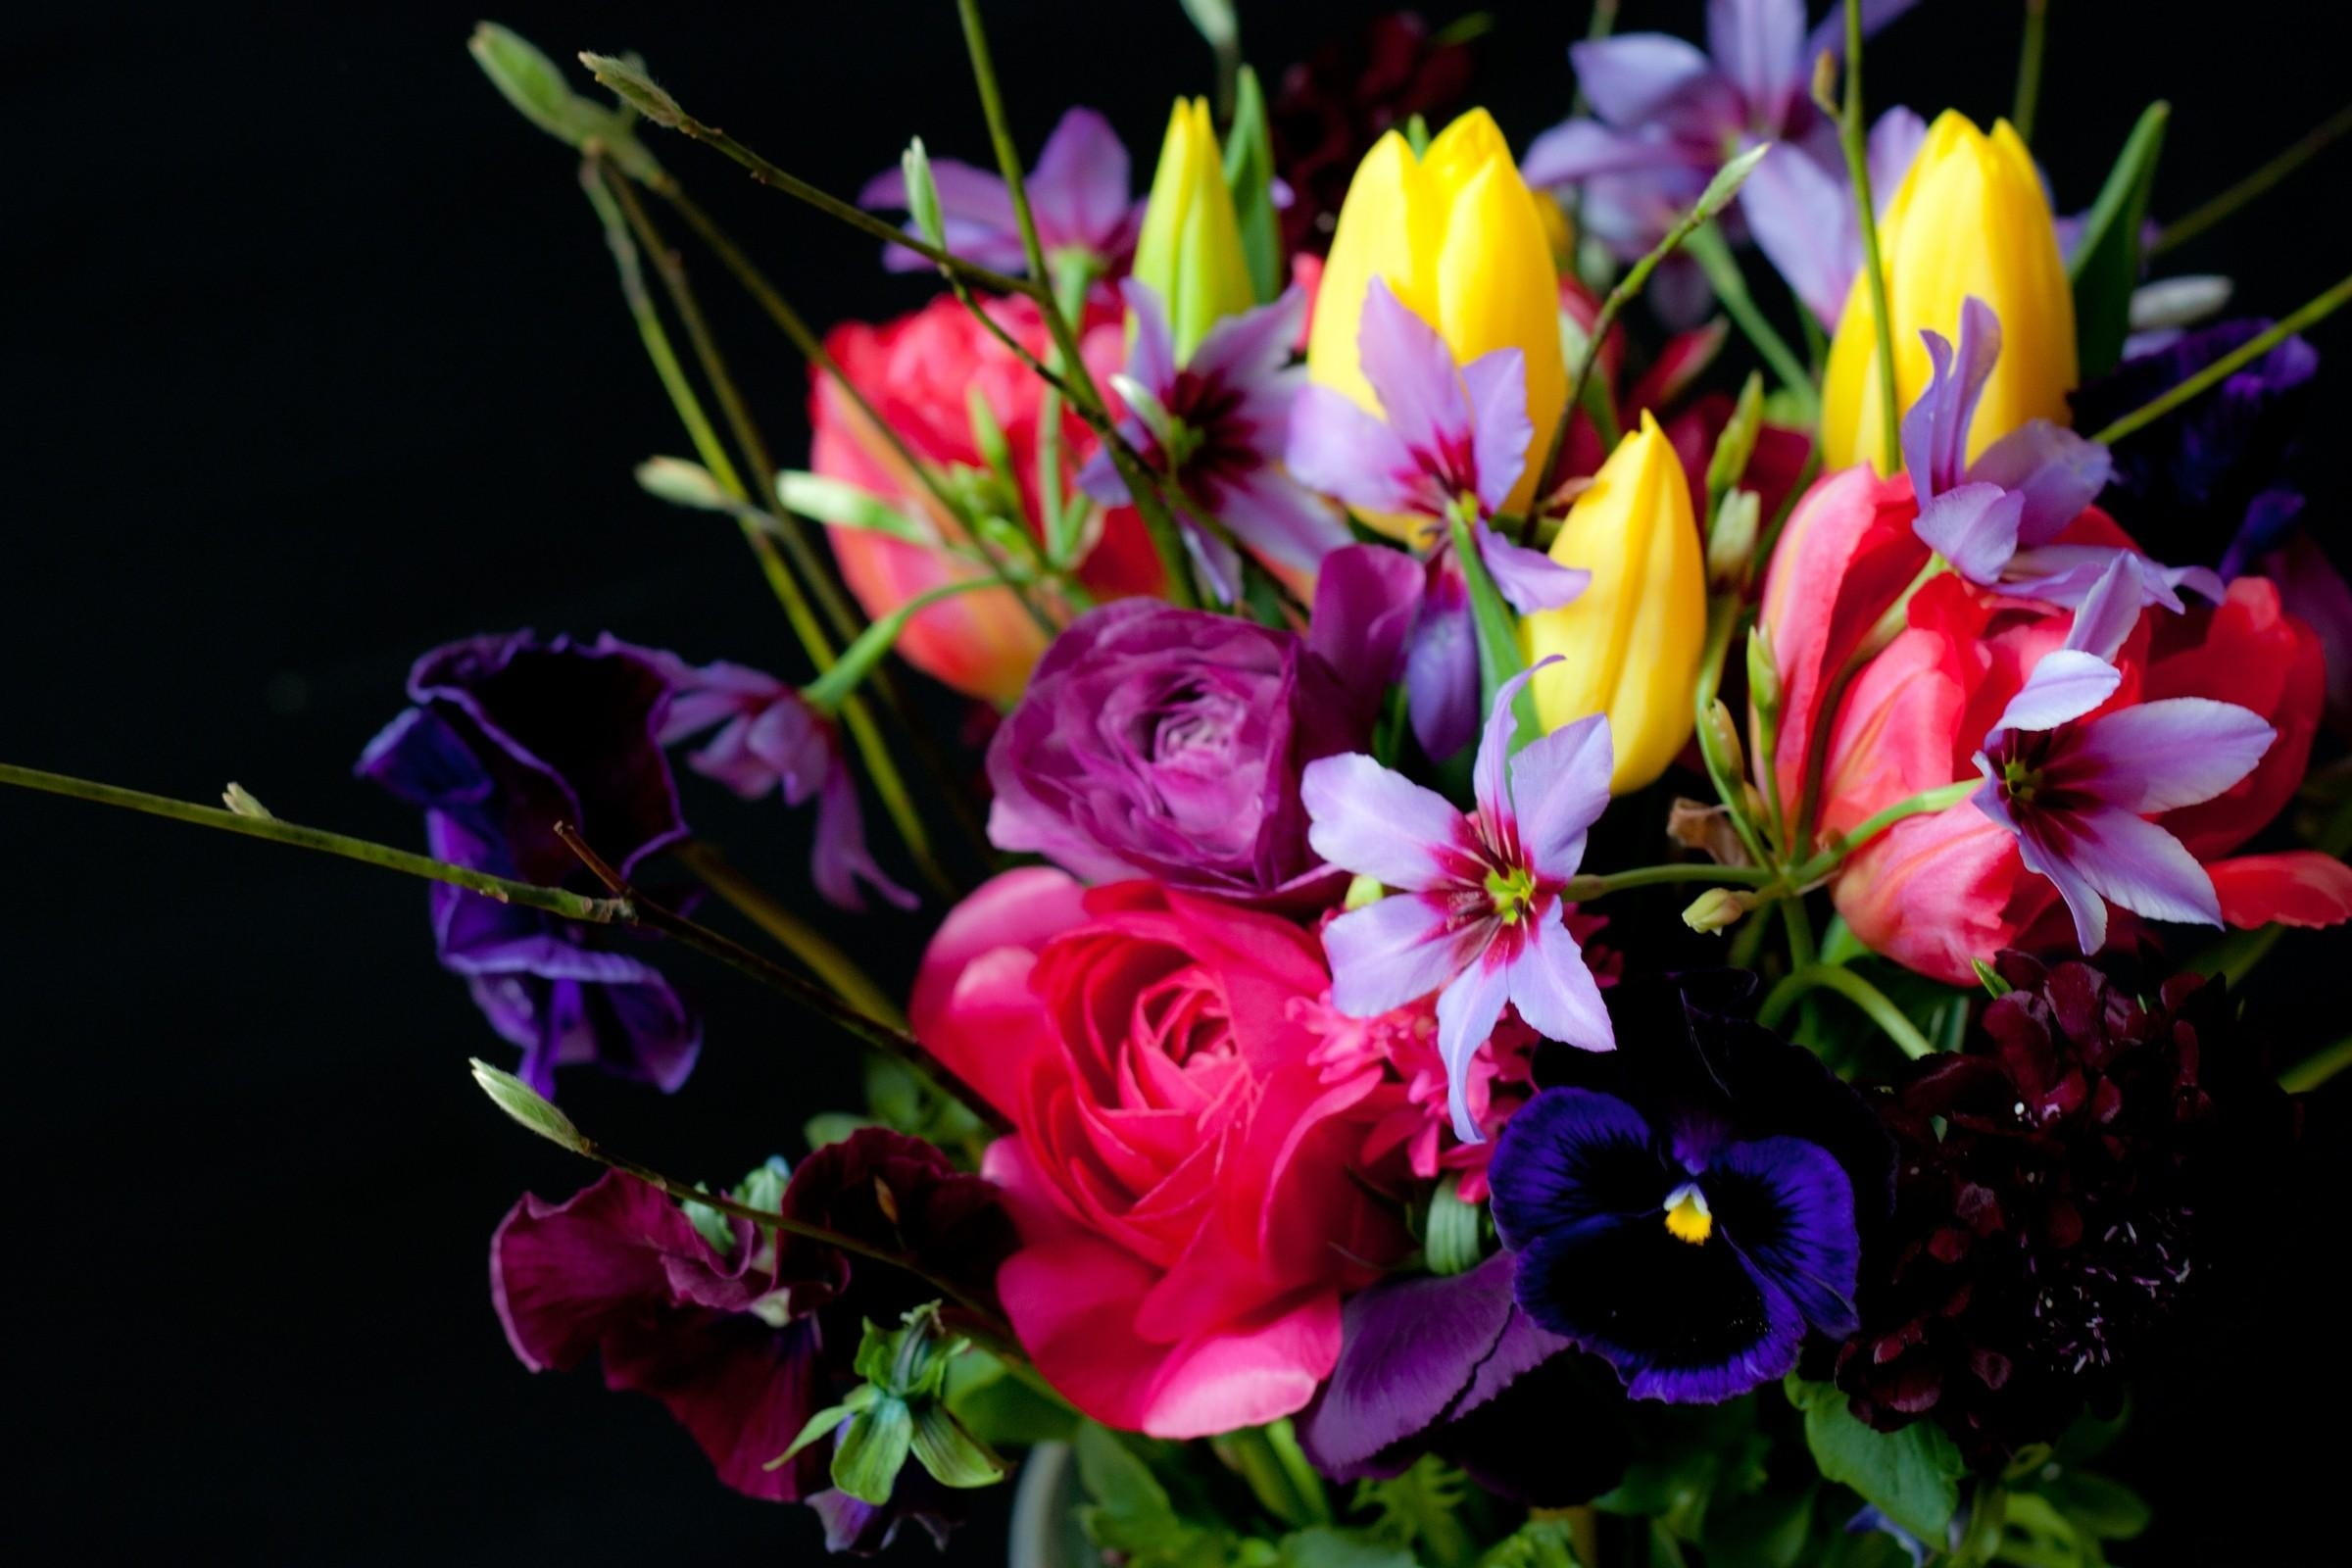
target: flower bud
1763 673
1718 907
1190 251
1458 238
1732 542
1721 740
1631 642
1970 219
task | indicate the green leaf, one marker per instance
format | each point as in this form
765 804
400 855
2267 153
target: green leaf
538 88
2106 265
1912 1475
819 1427
1130 1509
1216 23
871 1450
1769 1530
1738 443
1727 182
1538 1543
1326 1548
922 193
833 1127
954 1456
629 83
845 506
1249 176
1001 1409
763 1187
1499 656
528 1106
2099 1506
830 690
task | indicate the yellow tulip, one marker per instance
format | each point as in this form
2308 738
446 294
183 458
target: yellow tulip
1458 238
1190 251
1969 217
1631 641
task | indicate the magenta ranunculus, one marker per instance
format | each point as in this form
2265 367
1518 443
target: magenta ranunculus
1167 743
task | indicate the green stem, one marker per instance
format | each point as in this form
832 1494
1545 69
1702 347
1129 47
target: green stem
2228 365
529 895
834 688
2314 1070
1723 617
1853 134
2029 69
794 935
2258 183
1861 993
1715 258
1870 827
1802 951
1582 889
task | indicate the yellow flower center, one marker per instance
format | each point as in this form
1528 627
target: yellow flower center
1512 891
1688 1218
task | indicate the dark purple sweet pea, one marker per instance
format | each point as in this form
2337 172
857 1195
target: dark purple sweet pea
509 736
1218 424
1691 1209
1454 1368
1167 743
767 741
1079 196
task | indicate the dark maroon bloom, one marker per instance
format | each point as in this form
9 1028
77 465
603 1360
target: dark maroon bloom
509 736
1333 105
2097 1153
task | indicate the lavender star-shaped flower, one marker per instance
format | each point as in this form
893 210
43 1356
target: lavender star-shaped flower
1079 196
1453 444
1218 425
2077 792
1994 519
1480 911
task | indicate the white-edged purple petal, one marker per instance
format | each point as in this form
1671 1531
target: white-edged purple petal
2110 610
1377 823
1098 476
1080 190
1529 578
2056 472
1412 372
1801 216
1974 527
2160 755
1935 427
1577 150
1560 785
1391 952
2044 854
1500 426
1638 77
1247 347
1468 1009
1151 349
2139 866
1488 778
1279 518
1759 44
1554 992
1340 450
2065 685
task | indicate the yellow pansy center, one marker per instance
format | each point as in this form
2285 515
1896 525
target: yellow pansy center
1687 1217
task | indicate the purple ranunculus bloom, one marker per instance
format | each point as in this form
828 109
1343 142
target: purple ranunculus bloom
1666 115
1479 916
507 736
1167 743
1079 196
1218 425
1998 519
768 740
1690 1210
1453 1366
1453 443
2078 791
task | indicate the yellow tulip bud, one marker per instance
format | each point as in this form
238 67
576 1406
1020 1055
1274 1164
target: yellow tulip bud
1969 218
1631 641
1190 251
1460 242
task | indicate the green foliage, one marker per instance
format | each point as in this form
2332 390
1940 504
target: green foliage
899 1411
1536 1543
2106 264
1911 1476
1130 1512
1249 176
1325 1548
538 88
1688 1460
763 1189
1421 1509
1001 1409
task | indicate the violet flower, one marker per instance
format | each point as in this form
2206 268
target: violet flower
1452 445
1480 914
1998 519
767 741
2078 791
1217 424
509 736
1690 1210
1079 196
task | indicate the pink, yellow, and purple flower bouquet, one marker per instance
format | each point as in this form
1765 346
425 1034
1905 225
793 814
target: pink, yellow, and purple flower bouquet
1312 1136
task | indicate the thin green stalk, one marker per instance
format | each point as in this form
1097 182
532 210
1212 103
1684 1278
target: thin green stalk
1861 993
1723 617
2316 1069
1852 135
1801 949
506 889
1869 827
1722 268
1584 888
2228 365
2029 69
794 935
1626 288
2259 182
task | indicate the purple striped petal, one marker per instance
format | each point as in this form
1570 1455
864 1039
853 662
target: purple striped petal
1787 1206
2109 611
2057 472
1489 779
2045 852
1377 823
1412 372
1569 1158
1529 578
1636 77
1499 427
1440 668
1468 1009
1553 989
1560 785
1391 952
1801 216
1974 527
1152 354
1280 518
1759 44
1577 150
1080 190
2067 684
1340 450
2160 755
2140 866
1936 429
1243 350
1367 598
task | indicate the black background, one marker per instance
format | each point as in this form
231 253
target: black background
316 359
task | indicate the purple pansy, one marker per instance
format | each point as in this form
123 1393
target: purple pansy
1667 114
1479 914
1453 443
1998 519
507 737
1690 1211
1218 425
1453 1366
2078 791
1079 195
769 740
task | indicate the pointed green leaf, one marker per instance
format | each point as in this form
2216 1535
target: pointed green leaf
818 1426
872 1449
528 1106
1250 176
954 1456
922 193
1912 1475
2106 264
683 483
1728 180
845 506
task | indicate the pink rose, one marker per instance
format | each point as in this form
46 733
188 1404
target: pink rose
1180 1174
